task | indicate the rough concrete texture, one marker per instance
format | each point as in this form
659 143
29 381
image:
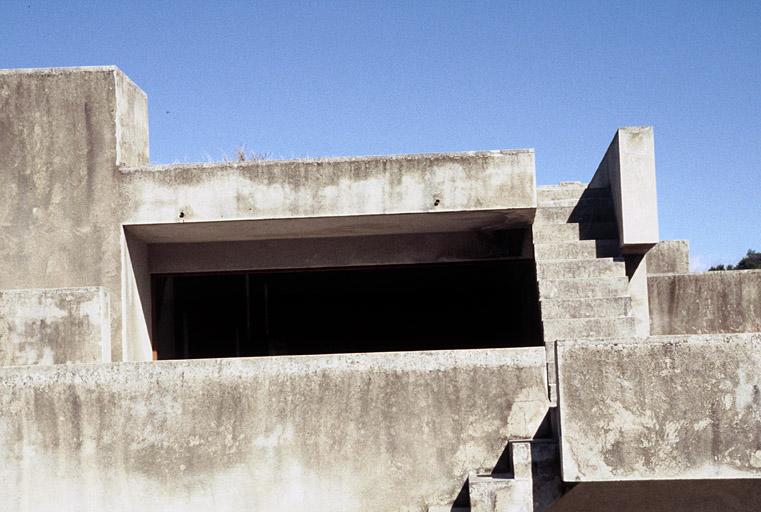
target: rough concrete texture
492 180
710 302
60 200
74 171
54 326
628 168
669 407
533 485
669 257
383 431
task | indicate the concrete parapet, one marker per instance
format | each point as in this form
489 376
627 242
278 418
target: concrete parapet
628 168
54 326
380 431
703 303
669 257
668 407
439 184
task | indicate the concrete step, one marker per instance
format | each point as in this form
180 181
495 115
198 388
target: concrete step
571 232
583 288
588 328
604 307
580 269
534 483
582 249
572 191
586 202
579 213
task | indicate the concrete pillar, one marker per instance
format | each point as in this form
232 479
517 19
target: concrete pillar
64 133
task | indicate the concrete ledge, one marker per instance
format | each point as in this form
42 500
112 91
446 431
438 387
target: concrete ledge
54 326
377 431
703 303
669 407
337 187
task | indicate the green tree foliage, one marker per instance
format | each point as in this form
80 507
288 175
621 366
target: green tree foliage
752 260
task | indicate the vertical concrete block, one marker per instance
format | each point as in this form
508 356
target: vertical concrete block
628 168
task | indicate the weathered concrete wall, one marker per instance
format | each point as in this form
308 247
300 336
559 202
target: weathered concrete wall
393 431
54 326
703 303
74 171
670 407
494 180
628 168
62 134
669 257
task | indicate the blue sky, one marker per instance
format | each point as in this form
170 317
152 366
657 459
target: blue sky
352 78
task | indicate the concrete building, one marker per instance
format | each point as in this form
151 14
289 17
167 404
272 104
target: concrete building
402 333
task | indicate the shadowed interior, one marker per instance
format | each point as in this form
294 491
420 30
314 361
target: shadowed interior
368 309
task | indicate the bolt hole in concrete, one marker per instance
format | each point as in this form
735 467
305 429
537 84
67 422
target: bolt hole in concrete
182 215
436 202
365 309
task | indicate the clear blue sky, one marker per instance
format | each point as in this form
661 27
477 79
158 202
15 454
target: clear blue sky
352 78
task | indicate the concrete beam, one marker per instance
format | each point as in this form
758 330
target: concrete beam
628 168
668 408
370 189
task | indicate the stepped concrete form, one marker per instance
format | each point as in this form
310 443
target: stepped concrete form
108 262
582 249
582 294
583 288
573 232
606 307
533 484
581 269
588 328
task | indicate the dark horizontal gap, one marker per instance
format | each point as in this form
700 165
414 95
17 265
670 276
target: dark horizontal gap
366 309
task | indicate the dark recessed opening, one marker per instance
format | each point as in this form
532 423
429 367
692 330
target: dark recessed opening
413 307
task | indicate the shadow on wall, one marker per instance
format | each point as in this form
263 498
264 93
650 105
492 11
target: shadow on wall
546 485
662 496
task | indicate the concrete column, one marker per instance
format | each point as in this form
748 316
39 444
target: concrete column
63 135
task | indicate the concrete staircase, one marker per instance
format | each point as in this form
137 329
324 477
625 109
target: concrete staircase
532 482
583 285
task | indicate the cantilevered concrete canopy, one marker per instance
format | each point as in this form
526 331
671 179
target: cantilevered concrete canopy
433 193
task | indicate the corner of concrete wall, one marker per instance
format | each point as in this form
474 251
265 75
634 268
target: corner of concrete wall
136 305
132 147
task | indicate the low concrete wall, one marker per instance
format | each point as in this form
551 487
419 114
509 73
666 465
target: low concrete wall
392 431
669 407
669 257
54 326
710 302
